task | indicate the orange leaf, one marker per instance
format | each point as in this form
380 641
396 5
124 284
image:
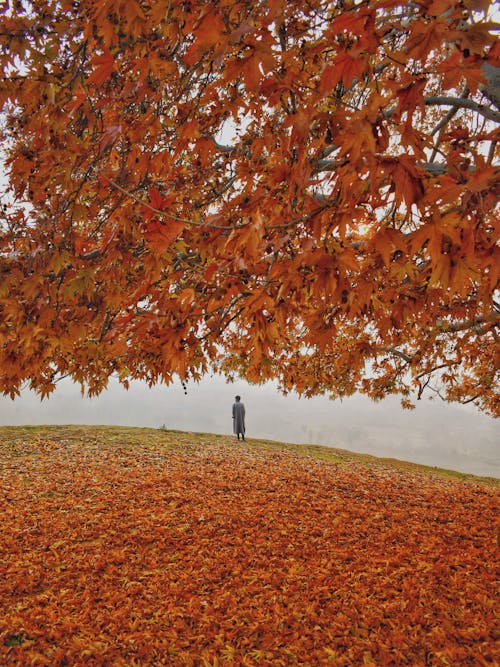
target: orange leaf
410 97
346 68
161 234
103 66
209 31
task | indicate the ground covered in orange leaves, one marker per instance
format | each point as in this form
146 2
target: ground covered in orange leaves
142 547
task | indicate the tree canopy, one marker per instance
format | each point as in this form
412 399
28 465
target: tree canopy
303 191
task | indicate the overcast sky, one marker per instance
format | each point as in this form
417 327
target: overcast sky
436 433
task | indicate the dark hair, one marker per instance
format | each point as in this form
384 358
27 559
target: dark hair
238 398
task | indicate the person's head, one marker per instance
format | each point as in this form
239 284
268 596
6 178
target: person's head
237 399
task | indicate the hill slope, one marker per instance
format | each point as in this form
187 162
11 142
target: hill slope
145 547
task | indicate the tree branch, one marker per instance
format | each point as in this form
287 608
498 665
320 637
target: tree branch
223 147
166 214
397 353
442 124
470 400
147 205
481 324
435 168
492 90
441 100
432 370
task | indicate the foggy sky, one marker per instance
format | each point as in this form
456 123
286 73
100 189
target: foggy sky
436 433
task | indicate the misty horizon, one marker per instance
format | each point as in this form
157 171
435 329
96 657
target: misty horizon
435 433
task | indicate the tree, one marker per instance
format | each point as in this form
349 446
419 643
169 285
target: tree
303 191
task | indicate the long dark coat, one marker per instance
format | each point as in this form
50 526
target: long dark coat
238 418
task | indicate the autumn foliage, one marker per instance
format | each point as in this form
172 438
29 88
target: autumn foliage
137 547
288 190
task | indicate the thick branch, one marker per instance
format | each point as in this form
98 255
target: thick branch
492 90
397 353
441 100
445 120
442 124
223 147
480 324
435 168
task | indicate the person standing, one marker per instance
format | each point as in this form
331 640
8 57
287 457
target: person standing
239 417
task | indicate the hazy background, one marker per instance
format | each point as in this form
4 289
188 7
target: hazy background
436 433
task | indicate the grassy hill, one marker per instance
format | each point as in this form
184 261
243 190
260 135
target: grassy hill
124 546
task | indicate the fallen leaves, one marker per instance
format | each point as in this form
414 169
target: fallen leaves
139 547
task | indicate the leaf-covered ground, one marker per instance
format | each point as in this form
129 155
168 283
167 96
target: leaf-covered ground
142 547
